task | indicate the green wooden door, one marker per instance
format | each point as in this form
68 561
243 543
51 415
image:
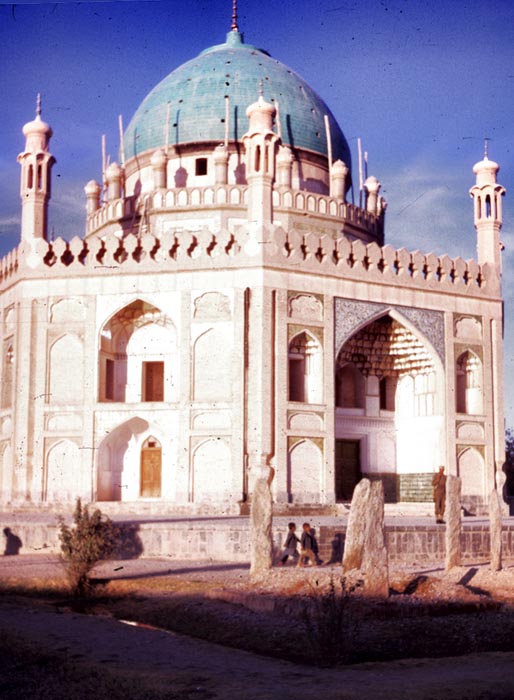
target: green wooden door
347 468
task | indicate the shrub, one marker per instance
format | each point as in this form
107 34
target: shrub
91 539
330 624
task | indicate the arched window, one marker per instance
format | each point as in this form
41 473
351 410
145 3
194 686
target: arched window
305 369
387 390
469 395
257 164
350 387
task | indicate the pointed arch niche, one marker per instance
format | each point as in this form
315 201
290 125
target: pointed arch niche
138 358
212 472
130 463
304 472
212 364
469 384
66 361
305 358
471 469
6 472
65 480
389 391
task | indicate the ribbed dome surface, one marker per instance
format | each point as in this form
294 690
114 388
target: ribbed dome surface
196 93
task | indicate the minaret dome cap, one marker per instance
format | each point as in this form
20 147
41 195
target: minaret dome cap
37 125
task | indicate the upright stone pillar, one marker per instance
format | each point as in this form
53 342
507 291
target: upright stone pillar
495 530
365 547
261 519
356 528
453 522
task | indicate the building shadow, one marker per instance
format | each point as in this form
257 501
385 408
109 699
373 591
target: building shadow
13 543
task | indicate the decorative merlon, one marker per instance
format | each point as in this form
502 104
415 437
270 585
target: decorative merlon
294 251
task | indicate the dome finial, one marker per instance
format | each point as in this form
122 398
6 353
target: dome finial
261 88
486 148
234 26
38 105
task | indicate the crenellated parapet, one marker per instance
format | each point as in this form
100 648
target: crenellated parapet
311 252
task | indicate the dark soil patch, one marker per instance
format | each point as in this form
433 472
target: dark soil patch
371 630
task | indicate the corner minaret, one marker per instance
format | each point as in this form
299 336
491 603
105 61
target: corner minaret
487 194
36 163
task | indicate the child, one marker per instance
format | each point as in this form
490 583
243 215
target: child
290 545
308 543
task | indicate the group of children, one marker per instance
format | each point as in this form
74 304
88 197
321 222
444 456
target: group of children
308 546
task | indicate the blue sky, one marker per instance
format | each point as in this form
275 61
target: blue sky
421 83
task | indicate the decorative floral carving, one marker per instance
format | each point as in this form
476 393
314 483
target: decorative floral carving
350 316
468 327
212 306
306 306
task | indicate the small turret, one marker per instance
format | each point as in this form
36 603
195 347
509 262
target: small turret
36 163
372 188
338 180
487 194
284 167
221 164
92 190
260 143
113 177
159 163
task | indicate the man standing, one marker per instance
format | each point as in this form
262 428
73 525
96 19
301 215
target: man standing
439 489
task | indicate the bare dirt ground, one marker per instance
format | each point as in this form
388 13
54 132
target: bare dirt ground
50 651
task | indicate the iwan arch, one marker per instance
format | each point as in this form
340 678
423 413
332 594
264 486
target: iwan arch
230 308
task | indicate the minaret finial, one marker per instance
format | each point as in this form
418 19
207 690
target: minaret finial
261 88
234 27
486 148
38 105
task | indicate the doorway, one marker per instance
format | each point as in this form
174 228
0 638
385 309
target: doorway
347 468
151 467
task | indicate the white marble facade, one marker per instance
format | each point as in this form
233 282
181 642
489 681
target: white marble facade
200 333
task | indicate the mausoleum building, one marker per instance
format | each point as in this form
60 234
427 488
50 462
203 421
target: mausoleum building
229 309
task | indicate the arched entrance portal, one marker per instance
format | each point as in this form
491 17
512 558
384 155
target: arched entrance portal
130 460
151 468
389 422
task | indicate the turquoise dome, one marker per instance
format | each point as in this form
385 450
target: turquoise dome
195 93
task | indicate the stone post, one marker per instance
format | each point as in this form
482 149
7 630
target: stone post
356 528
261 518
495 530
453 522
365 547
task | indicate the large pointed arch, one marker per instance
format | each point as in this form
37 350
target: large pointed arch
401 318
138 355
397 432
121 464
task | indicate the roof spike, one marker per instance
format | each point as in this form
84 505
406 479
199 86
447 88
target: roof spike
38 105
234 27
486 148
261 88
